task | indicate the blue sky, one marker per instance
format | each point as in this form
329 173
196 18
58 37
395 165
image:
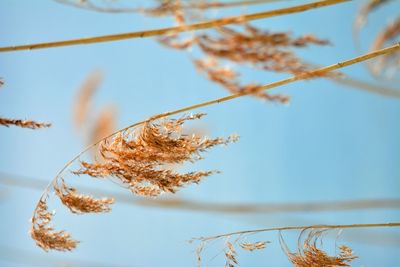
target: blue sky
331 143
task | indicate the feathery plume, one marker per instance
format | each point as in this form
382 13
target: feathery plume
104 125
309 255
45 235
227 78
230 255
84 96
136 158
78 203
260 49
250 46
23 123
254 246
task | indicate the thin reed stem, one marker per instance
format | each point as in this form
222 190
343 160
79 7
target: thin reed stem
183 28
286 228
311 74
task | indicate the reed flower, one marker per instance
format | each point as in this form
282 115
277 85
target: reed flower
309 255
137 158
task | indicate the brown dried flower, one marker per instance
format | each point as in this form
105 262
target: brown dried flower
260 49
23 123
104 125
230 255
45 235
78 203
253 246
84 96
227 78
309 255
137 157
251 46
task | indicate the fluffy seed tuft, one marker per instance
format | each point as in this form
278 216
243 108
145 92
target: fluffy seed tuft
309 255
137 158
45 235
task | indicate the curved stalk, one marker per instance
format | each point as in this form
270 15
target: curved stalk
303 227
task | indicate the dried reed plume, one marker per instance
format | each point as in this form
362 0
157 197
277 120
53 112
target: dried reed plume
254 246
230 255
137 157
83 98
258 48
227 78
24 123
309 255
78 203
249 46
45 235
104 125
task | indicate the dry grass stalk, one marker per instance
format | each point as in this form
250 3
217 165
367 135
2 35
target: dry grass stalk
24 123
136 158
45 235
184 28
288 228
309 255
84 96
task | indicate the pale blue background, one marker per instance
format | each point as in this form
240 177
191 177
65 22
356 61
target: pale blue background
330 143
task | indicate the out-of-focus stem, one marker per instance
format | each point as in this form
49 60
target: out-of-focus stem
183 28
